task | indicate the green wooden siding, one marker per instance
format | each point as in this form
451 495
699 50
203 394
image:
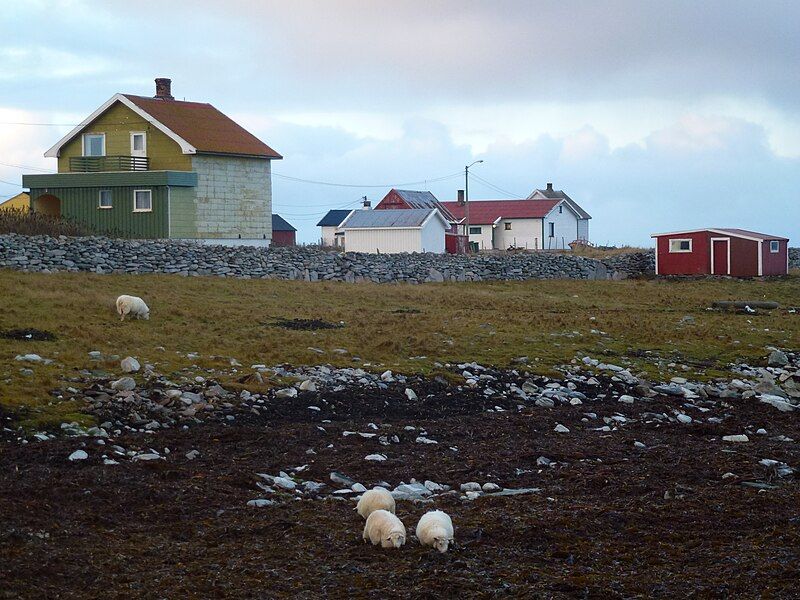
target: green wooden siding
81 205
115 179
118 122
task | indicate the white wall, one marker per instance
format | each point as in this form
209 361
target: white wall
566 227
524 233
583 229
395 240
328 235
484 238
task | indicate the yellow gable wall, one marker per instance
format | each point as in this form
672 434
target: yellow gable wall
19 202
117 122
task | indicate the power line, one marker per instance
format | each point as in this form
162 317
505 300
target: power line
26 167
9 183
355 185
489 184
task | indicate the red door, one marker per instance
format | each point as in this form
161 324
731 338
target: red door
720 257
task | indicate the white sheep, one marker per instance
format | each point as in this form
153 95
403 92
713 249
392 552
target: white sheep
384 528
435 528
377 498
133 306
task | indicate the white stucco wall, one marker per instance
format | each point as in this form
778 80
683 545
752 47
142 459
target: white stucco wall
484 238
566 227
524 233
234 197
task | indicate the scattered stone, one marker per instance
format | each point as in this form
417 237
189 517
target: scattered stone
735 438
375 457
129 365
559 428
125 384
78 455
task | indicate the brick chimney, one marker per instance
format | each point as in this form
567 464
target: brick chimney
461 197
549 187
163 88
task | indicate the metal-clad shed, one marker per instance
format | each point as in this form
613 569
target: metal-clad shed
283 234
395 231
721 251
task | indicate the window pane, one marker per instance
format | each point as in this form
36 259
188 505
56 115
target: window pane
684 244
474 230
142 200
138 142
105 198
93 145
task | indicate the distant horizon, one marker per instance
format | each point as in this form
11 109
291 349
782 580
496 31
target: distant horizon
652 117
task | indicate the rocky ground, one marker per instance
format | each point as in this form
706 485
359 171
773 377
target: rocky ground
594 484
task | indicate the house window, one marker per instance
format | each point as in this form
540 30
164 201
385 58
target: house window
774 246
104 201
508 226
475 230
680 245
138 144
94 144
142 201
552 228
560 209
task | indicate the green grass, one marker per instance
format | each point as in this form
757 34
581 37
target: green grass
491 323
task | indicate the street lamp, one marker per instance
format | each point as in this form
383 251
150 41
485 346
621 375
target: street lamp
466 196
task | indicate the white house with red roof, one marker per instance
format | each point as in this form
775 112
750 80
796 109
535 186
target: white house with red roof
538 222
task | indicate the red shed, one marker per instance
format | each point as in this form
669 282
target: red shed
735 252
283 234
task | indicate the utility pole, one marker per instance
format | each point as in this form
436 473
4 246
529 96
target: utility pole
466 197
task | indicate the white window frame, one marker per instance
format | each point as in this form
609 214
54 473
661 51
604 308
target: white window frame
777 246
478 232
100 200
144 143
149 194
507 226
673 241
727 240
83 142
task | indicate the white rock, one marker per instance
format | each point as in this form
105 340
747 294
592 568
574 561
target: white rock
471 486
284 482
124 384
308 386
472 495
358 488
559 428
423 440
192 454
684 418
735 438
286 393
129 365
78 455
761 431
387 376
639 445
411 394
147 456
260 502
490 487
626 399
375 457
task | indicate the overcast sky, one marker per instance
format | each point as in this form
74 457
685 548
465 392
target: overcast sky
653 116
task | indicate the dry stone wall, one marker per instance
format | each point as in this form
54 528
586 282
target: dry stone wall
104 255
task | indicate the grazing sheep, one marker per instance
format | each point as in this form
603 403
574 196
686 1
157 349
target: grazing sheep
435 529
384 528
133 306
375 499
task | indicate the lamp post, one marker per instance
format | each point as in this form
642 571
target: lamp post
466 197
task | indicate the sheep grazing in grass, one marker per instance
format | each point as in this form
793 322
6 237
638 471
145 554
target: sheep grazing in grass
377 498
133 306
435 528
384 528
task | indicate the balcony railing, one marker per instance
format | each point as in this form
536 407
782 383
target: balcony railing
93 164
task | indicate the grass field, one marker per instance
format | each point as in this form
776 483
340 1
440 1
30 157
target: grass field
403 327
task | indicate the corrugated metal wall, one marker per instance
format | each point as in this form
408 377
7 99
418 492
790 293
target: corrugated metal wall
387 241
81 205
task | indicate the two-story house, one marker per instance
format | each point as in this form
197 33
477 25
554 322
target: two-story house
161 168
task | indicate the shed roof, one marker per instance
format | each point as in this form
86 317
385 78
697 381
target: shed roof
403 218
484 212
334 218
742 233
281 224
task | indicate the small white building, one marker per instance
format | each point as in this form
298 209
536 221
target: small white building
395 231
331 234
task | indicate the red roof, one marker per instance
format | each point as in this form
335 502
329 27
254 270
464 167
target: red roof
730 231
204 127
484 212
